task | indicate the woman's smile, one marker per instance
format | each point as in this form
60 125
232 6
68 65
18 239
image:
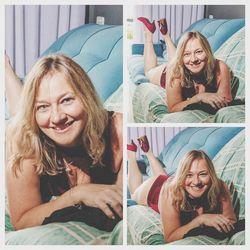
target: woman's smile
59 113
197 181
194 57
63 128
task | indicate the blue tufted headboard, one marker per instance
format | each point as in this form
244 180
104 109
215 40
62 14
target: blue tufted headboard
98 49
217 31
209 139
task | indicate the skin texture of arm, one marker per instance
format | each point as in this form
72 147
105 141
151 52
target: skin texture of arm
117 146
24 198
13 87
216 100
26 207
175 231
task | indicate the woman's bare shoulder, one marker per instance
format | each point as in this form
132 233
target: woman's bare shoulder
221 65
117 122
27 168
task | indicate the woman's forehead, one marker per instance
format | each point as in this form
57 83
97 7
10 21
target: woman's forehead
53 84
192 44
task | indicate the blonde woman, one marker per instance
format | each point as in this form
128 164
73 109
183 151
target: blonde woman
62 144
191 74
194 197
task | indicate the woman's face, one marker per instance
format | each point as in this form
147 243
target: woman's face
197 180
59 112
194 56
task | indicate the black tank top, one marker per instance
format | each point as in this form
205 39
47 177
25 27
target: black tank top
188 216
188 92
101 174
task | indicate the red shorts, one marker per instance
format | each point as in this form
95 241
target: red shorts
163 78
154 192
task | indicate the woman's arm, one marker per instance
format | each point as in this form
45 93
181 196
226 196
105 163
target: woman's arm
25 203
170 218
219 99
175 102
224 81
227 206
172 228
13 87
117 146
24 198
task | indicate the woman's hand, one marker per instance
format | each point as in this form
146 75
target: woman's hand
214 99
105 197
218 221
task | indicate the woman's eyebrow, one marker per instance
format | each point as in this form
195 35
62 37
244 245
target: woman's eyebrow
58 97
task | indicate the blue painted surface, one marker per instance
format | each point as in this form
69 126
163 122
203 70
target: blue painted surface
98 49
209 139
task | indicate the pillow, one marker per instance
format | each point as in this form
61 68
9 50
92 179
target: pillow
115 101
230 167
69 233
136 68
232 52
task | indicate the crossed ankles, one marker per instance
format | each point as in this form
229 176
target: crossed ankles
151 25
143 142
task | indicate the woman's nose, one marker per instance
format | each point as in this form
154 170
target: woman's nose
196 180
57 116
193 57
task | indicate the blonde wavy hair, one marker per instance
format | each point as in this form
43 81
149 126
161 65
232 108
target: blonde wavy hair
24 138
177 69
176 185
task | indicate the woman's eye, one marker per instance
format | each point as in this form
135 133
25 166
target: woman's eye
189 175
199 51
42 108
186 54
67 100
203 174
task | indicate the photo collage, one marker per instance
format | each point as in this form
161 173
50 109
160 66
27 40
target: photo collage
124 124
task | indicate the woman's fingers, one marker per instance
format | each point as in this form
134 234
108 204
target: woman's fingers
106 209
226 223
117 207
223 224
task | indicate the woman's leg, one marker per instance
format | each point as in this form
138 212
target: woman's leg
150 59
13 87
138 188
156 165
152 71
171 49
135 178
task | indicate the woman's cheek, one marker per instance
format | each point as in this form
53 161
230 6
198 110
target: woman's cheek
42 119
202 57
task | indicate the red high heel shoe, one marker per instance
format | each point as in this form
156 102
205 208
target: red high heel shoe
150 26
163 26
143 141
132 146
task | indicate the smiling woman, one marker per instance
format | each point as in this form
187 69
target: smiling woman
191 75
59 112
63 149
194 197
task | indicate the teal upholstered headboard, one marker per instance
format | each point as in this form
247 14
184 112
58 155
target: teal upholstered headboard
217 31
209 139
98 49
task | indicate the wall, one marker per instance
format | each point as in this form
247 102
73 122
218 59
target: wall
158 137
112 13
225 11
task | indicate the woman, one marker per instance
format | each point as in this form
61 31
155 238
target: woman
61 143
192 74
194 197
